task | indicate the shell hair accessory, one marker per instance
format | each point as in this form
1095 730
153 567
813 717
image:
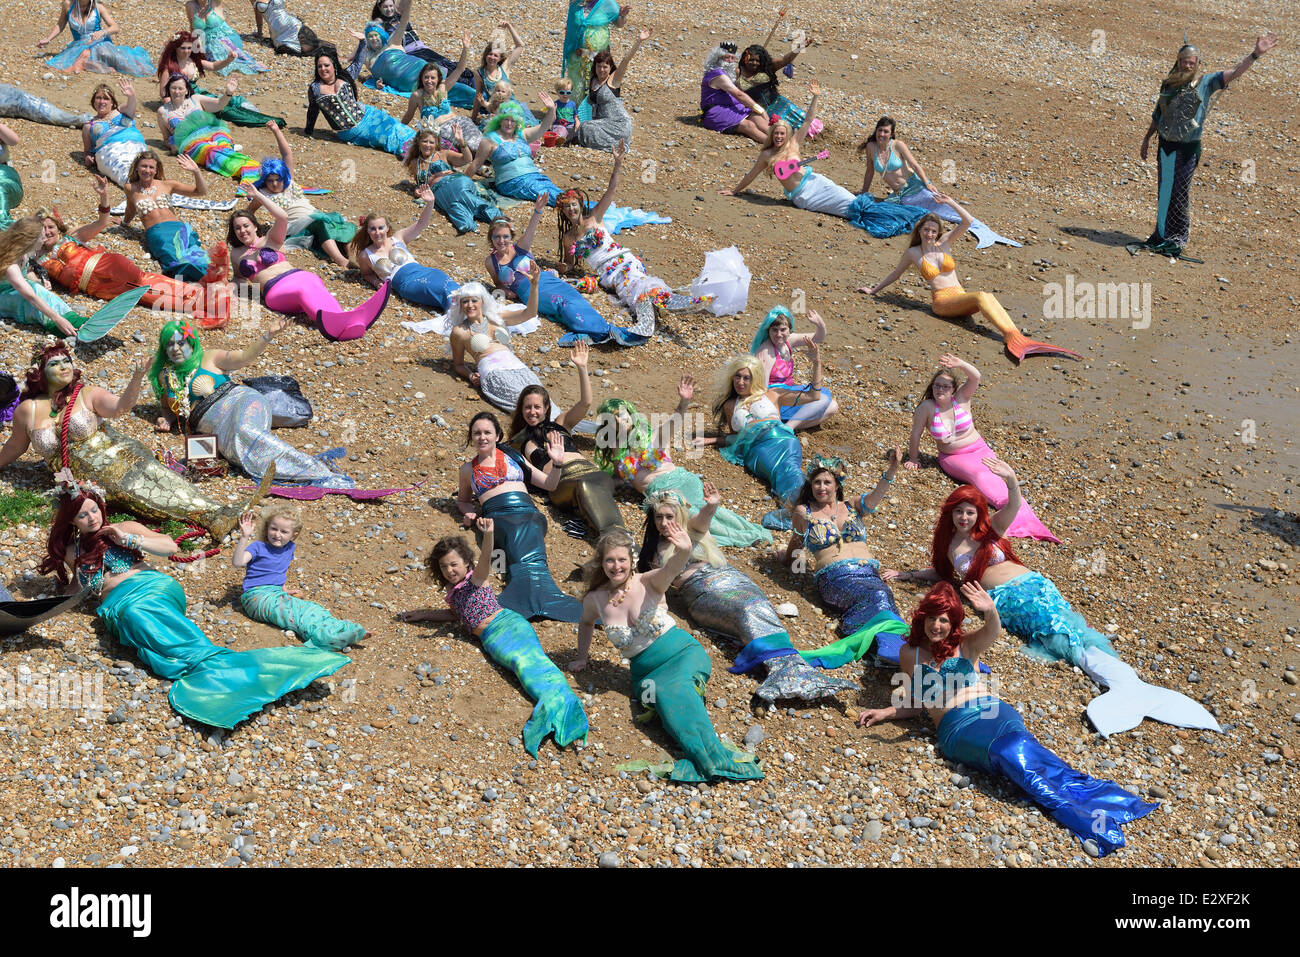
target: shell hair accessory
67 485
832 464
664 497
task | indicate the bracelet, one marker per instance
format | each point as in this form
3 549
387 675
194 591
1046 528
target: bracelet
863 507
104 209
884 477
1254 55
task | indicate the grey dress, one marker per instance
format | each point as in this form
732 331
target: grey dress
609 123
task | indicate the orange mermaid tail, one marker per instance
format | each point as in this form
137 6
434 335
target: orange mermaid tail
955 302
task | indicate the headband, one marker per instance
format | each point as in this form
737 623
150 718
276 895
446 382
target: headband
831 463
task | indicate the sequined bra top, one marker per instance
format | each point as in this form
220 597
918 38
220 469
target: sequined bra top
937 685
341 109
116 561
635 638
961 563
257 260
81 426
822 533
473 604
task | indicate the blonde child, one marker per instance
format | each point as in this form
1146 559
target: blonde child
566 111
266 599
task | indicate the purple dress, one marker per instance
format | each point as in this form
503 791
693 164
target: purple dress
721 111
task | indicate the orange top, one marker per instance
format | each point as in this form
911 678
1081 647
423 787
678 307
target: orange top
929 270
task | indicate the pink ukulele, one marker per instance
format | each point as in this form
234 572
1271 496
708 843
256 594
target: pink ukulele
784 169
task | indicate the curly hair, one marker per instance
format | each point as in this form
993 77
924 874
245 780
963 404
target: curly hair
271 513
444 547
562 222
942 599
35 384
169 64
636 439
727 390
63 533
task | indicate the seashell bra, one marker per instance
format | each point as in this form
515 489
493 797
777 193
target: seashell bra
635 638
81 426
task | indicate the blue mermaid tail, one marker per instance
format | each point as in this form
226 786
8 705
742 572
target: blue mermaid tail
19 104
1031 608
521 536
771 453
312 623
512 643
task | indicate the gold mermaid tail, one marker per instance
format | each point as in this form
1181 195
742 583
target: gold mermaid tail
955 301
133 476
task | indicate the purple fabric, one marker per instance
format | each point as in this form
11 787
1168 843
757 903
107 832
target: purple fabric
721 110
269 566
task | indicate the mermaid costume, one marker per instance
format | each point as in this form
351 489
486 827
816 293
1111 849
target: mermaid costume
206 140
586 33
357 124
219 41
264 599
422 285
511 642
515 175
301 293
20 104
457 196
766 448
11 188
105 56
583 487
556 300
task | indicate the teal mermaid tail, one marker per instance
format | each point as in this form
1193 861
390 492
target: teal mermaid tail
312 623
11 194
1032 608
512 643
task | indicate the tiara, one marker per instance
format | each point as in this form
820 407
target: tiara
831 463
67 485
664 497
729 46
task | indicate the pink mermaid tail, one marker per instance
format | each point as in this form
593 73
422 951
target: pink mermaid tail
302 292
967 466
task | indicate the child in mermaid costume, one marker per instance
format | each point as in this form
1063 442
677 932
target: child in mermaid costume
506 637
194 130
627 449
724 599
669 668
978 729
265 597
145 610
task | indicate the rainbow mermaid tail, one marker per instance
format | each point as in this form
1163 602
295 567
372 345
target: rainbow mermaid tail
206 140
512 642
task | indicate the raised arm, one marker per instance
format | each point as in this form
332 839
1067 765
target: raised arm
199 188
106 405
412 232
663 435
801 133
88 232
818 335
576 414
459 68
1004 516
869 501
247 525
1262 46
227 360
518 42
616 78
780 18
967 391
960 229
701 520
660 578
607 200
282 144
526 240
549 479
535 133
982 639
280 227
483 567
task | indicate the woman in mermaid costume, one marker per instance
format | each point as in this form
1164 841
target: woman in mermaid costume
610 123
495 478
584 238
334 93
78 267
493 67
172 242
514 174
64 422
386 12
802 406
178 57
813 191
92 47
583 487
110 140
758 440
431 102
946 411
289 35
478 325
509 266
287 290
455 195
505 635
930 253
309 228
383 256
846 573
586 33
385 62
669 667
758 67
908 183
208 20
145 610
194 387
978 729
11 184
628 449
193 130
725 600
22 298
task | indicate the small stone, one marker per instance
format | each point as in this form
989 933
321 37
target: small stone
490 794
1227 839
788 610
1091 847
754 736
643 786
607 859
788 758
720 704
872 831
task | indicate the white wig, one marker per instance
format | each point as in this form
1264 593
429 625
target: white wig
491 307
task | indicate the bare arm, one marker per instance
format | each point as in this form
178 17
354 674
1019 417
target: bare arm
660 578
960 229
483 567
919 417
870 176
526 240
282 144
465 494
616 79
412 232
485 148
412 107
892 277
586 628
13 274
20 438
1262 46
868 502
63 22
108 406
912 162
518 48
981 640
1002 520
607 200
579 410
762 163
454 76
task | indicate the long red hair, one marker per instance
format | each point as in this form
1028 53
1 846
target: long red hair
63 532
35 384
169 62
942 599
982 532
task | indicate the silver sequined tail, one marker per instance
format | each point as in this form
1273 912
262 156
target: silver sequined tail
789 676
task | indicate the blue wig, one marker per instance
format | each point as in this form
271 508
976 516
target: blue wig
374 26
777 312
273 166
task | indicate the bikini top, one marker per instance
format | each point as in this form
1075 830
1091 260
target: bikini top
490 85
426 170
387 264
952 675
743 415
473 604
929 270
81 426
782 370
433 109
120 128
116 561
174 115
218 380
256 261
485 478
514 273
961 563
822 533
961 421
537 435
635 638
150 203
895 161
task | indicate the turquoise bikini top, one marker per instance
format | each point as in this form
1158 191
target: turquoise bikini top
821 533
116 561
957 670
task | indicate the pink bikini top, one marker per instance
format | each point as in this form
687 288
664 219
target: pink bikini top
782 370
961 421
255 262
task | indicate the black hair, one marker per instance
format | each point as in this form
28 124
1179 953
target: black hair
806 493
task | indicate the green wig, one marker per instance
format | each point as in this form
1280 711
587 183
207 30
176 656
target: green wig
636 439
764 327
509 110
161 364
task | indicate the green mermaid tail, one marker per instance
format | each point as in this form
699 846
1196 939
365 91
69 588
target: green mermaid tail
312 623
11 194
512 643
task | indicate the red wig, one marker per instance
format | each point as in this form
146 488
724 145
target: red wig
36 386
63 533
982 532
942 599
168 63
